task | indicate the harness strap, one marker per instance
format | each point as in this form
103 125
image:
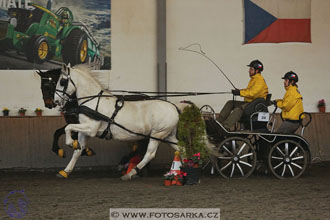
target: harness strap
118 106
100 117
98 100
146 136
106 131
99 95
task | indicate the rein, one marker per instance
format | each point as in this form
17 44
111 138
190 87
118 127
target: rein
169 94
165 94
94 114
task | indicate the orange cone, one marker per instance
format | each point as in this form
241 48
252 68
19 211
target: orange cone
176 164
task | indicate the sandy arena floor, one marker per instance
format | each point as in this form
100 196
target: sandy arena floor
89 195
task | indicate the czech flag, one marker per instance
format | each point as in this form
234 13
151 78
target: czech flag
276 21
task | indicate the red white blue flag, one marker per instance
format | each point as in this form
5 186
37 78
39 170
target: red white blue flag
276 21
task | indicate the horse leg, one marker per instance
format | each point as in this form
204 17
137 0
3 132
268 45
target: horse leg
56 149
82 139
87 151
172 138
84 128
149 155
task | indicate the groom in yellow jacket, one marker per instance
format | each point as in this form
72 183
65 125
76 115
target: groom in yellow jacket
291 105
257 88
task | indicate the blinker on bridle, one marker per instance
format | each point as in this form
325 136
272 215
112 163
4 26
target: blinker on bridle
65 83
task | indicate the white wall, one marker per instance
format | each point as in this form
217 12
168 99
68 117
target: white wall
133 59
218 25
133 47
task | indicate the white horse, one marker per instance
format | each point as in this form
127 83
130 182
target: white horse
155 118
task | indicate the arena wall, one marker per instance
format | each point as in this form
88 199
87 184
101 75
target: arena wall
26 142
218 26
215 24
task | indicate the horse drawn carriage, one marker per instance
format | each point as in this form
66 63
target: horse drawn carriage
234 153
253 144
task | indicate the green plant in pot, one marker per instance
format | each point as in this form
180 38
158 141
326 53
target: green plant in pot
191 133
191 136
5 111
21 111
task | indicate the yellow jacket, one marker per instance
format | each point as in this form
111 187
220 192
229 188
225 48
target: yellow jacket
291 104
257 88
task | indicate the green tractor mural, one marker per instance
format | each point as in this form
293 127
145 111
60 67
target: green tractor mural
43 35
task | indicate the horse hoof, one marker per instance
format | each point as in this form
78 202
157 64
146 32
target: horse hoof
61 153
135 177
76 145
62 174
89 152
125 177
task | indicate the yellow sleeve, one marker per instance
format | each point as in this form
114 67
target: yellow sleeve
251 92
286 103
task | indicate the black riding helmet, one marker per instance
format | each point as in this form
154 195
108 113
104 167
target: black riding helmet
257 65
291 76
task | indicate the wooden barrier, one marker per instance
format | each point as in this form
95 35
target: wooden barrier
26 142
318 135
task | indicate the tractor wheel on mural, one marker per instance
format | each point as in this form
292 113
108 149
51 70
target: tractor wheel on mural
75 48
38 49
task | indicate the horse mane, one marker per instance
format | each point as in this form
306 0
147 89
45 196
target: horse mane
52 72
88 70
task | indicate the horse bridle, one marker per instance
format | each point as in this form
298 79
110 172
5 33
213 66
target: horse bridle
51 84
65 83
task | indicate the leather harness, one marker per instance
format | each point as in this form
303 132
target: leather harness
94 114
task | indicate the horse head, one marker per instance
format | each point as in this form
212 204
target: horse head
48 85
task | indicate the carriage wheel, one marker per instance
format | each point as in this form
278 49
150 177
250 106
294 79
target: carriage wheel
287 160
237 158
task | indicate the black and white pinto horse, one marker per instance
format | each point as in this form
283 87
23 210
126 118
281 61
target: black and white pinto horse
124 120
48 85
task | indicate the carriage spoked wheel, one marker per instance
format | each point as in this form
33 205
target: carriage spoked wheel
287 159
237 158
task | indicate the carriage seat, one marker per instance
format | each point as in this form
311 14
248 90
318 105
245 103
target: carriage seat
249 113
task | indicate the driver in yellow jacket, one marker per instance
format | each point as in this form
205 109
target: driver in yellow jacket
291 105
257 88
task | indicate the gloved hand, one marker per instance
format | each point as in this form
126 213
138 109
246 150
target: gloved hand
235 91
273 102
